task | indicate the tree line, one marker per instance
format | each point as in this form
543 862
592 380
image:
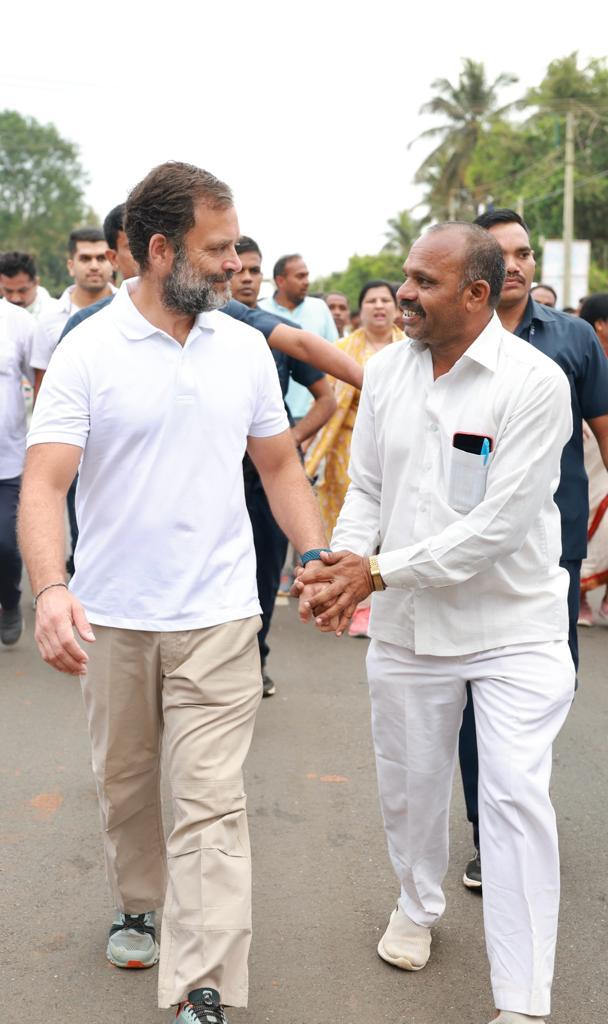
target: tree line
505 154
486 152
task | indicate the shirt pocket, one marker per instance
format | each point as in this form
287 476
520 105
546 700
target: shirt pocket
467 479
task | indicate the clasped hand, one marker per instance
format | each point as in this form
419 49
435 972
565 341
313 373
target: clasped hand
330 591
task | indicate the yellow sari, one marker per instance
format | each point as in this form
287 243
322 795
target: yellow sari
332 443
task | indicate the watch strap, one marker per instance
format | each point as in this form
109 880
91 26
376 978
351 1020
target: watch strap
314 555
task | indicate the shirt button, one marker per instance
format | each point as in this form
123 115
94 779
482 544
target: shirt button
433 427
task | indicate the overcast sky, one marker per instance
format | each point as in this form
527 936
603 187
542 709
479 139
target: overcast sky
305 109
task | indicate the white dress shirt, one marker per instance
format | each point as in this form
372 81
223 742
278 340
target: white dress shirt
16 335
165 542
469 552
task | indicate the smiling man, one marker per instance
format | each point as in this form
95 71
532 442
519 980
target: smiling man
157 396
450 522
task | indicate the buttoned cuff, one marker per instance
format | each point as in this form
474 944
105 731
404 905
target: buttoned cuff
396 572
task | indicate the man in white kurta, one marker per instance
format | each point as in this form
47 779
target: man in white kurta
454 463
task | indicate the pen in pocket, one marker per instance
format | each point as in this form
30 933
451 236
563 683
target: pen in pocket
485 451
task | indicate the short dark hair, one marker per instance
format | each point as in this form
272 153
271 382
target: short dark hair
114 223
491 218
164 204
280 266
595 307
547 287
84 235
336 291
15 262
247 244
378 282
483 260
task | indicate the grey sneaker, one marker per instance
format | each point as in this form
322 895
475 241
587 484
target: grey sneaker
472 873
11 625
132 941
269 689
201 1007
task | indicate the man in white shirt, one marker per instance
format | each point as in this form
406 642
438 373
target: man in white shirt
454 463
159 394
20 284
292 301
91 269
16 335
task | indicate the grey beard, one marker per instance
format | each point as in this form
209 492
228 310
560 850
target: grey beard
186 292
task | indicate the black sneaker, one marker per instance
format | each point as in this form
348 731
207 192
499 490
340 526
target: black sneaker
201 1007
11 625
269 689
472 873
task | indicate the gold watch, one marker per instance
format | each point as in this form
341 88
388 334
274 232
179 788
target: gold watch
377 581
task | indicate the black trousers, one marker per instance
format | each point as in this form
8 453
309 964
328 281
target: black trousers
270 549
10 559
467 741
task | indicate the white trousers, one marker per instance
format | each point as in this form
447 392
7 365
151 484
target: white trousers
522 695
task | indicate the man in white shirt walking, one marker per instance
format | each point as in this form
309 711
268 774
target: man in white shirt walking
454 463
91 269
16 336
146 393
20 284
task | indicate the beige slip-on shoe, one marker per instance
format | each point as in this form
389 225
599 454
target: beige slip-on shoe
405 944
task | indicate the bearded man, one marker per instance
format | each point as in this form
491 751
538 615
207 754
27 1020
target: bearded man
157 397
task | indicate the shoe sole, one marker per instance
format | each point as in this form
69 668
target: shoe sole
137 965
584 622
401 961
269 693
470 883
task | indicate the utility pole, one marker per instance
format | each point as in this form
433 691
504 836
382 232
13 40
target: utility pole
568 229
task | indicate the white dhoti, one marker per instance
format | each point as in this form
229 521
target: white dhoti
522 695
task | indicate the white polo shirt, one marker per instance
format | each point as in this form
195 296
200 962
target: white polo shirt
16 336
469 545
165 541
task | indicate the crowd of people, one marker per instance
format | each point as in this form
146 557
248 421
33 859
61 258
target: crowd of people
444 426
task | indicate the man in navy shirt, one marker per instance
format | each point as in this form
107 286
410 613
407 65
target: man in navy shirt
270 542
572 344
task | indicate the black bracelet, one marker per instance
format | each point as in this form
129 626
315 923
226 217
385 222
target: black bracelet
314 555
48 587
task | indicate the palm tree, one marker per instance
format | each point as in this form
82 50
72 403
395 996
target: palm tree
402 230
468 108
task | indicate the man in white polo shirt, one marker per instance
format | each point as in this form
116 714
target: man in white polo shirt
16 336
160 394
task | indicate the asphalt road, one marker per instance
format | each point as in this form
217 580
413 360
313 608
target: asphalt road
323 885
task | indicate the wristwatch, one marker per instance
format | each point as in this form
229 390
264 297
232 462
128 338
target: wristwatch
377 581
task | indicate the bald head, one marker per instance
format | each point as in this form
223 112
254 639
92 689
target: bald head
481 255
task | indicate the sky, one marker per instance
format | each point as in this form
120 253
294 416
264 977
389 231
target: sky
306 110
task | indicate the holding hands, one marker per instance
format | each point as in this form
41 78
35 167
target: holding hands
331 590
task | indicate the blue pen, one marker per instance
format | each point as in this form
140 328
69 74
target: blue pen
485 451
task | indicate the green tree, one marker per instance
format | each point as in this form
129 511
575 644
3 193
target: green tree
402 231
386 265
523 164
41 193
468 109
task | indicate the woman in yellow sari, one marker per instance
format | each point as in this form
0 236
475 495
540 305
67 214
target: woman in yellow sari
378 309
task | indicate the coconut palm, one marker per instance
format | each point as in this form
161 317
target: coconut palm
467 108
401 232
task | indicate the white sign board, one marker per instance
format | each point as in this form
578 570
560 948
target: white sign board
553 269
